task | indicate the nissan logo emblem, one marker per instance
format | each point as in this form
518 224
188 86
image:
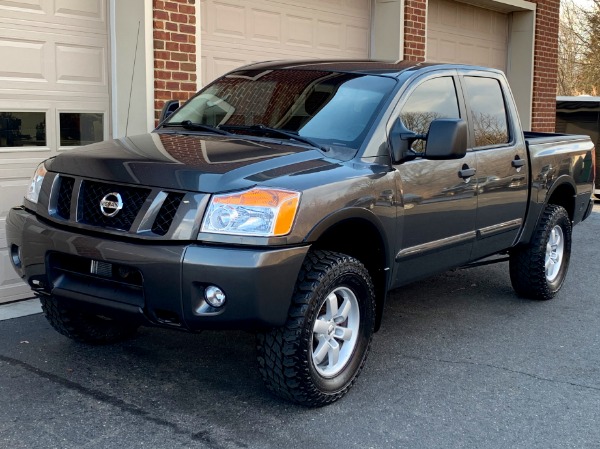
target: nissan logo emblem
111 204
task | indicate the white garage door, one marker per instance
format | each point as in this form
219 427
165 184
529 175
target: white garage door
238 32
461 33
54 95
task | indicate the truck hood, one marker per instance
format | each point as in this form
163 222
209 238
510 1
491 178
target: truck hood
189 162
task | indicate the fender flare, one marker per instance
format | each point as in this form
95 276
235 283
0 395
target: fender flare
559 182
362 214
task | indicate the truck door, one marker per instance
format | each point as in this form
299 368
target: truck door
439 203
502 172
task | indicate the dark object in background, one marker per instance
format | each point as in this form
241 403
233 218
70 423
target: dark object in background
581 115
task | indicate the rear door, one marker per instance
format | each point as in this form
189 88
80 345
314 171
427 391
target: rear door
439 206
502 173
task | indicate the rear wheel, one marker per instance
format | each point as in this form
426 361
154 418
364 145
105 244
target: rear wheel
85 327
538 270
316 356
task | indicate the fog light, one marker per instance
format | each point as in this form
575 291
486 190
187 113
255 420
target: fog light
214 296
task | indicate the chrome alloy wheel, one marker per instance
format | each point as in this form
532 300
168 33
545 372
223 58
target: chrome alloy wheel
554 253
335 332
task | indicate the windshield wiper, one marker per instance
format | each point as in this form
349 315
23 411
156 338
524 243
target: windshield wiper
188 124
266 130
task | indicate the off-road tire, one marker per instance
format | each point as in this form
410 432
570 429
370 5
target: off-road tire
528 263
285 355
84 327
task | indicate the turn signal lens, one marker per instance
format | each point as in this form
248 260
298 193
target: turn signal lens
257 212
35 185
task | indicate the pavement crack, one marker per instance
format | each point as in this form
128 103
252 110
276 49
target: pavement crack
116 402
502 368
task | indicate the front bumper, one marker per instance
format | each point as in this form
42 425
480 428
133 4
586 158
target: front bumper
158 283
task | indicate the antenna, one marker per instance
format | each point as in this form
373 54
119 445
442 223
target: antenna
132 75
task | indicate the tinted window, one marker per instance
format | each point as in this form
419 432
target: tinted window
435 98
22 129
488 111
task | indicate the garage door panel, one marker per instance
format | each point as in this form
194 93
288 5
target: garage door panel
462 33
265 26
43 61
53 79
22 59
24 6
259 30
299 31
14 180
80 9
59 14
329 35
229 20
11 286
79 64
12 193
357 39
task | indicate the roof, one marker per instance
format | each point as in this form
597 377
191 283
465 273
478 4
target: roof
577 104
351 66
583 98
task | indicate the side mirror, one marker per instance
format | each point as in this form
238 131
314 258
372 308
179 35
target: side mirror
401 140
446 139
168 108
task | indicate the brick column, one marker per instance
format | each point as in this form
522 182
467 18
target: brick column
545 66
415 30
174 51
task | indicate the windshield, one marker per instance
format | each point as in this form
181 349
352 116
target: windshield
333 109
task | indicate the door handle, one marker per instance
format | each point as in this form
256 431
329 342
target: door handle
466 172
517 162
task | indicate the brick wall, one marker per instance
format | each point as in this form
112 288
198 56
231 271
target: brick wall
415 29
174 51
545 56
545 69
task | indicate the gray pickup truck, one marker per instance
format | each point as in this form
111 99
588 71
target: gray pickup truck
288 198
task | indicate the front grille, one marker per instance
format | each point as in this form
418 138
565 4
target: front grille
65 194
92 193
167 213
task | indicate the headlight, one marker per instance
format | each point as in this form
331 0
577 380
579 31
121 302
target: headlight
35 185
257 212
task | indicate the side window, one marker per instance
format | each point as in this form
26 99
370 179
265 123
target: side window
488 111
435 98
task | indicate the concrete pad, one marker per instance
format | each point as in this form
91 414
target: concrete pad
19 309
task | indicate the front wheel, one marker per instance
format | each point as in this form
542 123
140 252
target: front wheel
316 356
85 327
538 270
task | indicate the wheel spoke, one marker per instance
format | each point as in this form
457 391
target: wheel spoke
332 305
334 352
321 326
321 351
555 238
552 237
343 312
